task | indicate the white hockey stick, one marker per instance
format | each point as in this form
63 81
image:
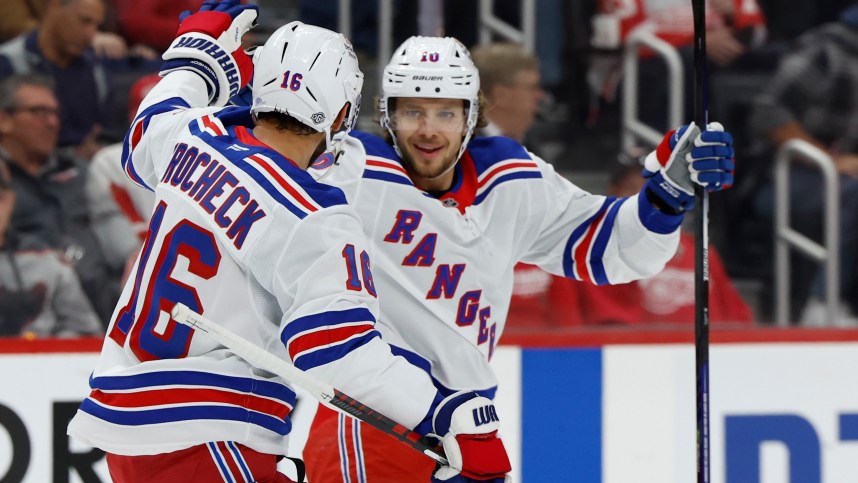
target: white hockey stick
325 393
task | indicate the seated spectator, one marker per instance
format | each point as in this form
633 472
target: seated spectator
667 297
50 188
61 48
509 78
733 28
813 96
40 295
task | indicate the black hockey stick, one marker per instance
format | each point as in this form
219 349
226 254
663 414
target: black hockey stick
701 253
262 359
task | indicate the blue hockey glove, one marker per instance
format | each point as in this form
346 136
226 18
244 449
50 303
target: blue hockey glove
209 43
467 424
686 156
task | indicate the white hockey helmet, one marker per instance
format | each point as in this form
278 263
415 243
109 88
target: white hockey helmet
434 67
308 73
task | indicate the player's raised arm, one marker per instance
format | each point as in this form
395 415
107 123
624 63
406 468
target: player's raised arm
204 66
608 240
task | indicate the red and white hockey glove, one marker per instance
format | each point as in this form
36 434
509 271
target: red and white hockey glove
209 43
687 156
467 424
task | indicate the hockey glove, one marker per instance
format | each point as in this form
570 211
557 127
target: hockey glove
209 43
467 425
686 156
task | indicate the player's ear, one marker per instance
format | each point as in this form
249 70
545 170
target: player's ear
338 122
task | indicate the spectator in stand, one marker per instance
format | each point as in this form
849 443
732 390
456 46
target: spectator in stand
61 48
40 295
50 188
667 297
733 27
813 96
509 78
152 22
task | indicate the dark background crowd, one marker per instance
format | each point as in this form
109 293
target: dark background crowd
72 73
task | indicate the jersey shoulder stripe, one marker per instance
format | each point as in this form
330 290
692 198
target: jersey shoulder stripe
374 145
382 162
135 133
498 160
386 170
279 177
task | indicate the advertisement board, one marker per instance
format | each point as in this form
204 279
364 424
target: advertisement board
618 412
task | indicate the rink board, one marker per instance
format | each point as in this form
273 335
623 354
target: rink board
601 409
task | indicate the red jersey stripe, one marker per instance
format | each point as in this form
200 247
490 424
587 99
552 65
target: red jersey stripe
326 337
209 123
496 171
584 247
282 182
158 397
388 164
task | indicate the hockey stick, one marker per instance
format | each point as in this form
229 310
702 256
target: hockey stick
701 253
326 394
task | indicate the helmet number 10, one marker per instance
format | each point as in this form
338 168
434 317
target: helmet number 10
293 84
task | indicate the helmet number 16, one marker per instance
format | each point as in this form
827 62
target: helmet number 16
294 83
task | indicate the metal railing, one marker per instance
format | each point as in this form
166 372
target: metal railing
490 25
786 237
634 130
429 22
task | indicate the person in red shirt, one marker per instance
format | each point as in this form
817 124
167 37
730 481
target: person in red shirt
152 23
542 300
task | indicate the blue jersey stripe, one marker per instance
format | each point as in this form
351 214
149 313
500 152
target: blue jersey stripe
374 145
597 265
323 195
218 457
505 178
385 176
194 378
327 355
577 233
334 317
488 151
269 188
186 413
166 105
418 361
239 458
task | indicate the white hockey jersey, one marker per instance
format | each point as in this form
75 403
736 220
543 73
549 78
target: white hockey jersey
444 266
244 236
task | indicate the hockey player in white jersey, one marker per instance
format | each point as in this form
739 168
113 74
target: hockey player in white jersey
449 216
242 233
